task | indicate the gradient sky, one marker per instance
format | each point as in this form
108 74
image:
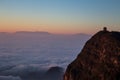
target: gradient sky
59 16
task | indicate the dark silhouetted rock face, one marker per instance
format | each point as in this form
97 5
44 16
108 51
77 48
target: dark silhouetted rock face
54 73
99 59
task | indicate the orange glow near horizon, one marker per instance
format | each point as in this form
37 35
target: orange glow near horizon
18 24
56 29
46 29
13 24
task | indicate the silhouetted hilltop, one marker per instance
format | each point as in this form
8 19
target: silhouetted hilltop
54 73
98 60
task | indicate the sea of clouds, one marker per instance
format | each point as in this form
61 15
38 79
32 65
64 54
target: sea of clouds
24 54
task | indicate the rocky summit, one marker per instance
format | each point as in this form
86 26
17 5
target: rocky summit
98 60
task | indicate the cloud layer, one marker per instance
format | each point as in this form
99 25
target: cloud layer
22 55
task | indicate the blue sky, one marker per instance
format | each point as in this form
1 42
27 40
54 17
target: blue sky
59 16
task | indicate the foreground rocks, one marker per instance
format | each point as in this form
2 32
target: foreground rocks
98 60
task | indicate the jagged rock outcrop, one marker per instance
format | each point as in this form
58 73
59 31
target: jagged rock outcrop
98 60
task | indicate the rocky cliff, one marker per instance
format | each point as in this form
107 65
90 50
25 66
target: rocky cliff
98 60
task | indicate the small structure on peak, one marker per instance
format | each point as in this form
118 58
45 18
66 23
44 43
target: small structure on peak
104 28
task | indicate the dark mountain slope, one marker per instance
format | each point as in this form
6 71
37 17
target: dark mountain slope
99 59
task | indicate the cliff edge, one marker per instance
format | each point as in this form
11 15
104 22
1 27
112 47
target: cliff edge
98 60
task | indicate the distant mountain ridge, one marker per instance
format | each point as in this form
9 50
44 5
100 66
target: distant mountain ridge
37 33
82 34
43 32
30 32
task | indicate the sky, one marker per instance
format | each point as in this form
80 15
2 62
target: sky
59 16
